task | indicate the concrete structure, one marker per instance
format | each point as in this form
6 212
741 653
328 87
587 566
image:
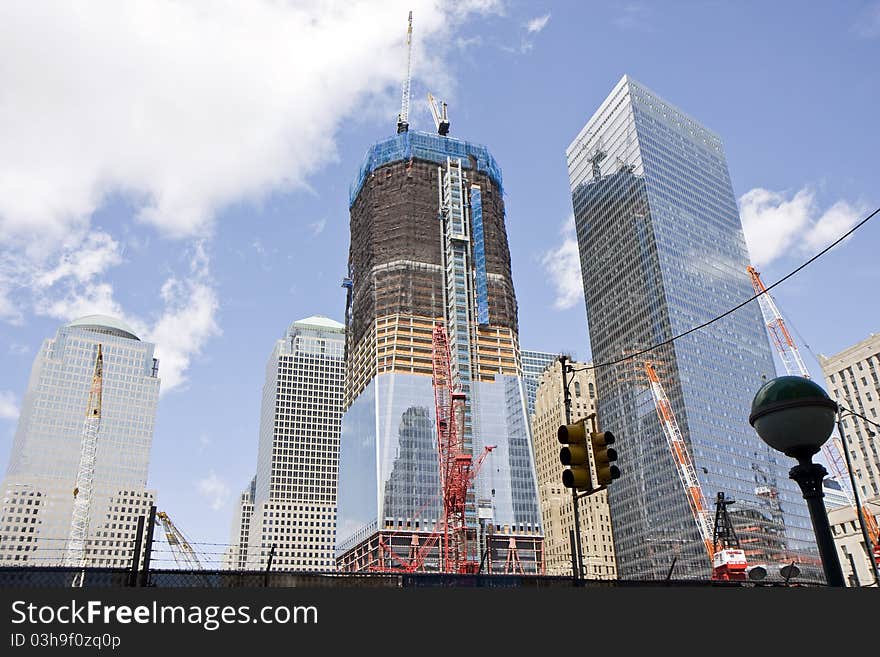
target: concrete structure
662 250
853 380
37 493
597 538
854 557
291 503
428 245
533 365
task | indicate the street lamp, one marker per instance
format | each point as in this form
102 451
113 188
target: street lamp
794 415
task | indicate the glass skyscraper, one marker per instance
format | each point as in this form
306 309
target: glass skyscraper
429 246
37 502
662 250
533 365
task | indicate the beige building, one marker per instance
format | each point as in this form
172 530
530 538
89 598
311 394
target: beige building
556 501
853 380
854 558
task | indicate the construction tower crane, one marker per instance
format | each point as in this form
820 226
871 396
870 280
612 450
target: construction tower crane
794 365
181 550
724 560
439 112
75 556
457 468
403 117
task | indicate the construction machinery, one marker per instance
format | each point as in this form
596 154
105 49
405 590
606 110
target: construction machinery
439 112
727 562
457 467
794 365
75 556
403 117
183 553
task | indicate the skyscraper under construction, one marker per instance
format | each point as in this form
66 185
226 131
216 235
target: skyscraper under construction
429 246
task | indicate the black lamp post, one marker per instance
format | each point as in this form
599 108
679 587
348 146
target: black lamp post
795 416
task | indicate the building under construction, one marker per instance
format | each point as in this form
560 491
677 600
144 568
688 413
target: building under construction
429 249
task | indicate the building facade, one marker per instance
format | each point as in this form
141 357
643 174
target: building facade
235 556
533 365
853 380
557 514
662 250
428 246
291 503
854 556
37 493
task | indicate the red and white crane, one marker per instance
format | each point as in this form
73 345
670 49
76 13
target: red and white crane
727 563
457 467
794 365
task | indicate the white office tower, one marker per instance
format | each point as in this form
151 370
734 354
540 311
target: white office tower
294 496
38 491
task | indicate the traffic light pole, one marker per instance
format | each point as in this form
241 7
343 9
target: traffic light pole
578 560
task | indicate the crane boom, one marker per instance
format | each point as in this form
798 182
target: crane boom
685 467
439 112
788 352
181 550
403 117
75 557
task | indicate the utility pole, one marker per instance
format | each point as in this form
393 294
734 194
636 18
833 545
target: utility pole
578 559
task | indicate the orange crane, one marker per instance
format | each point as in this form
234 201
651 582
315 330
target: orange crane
457 467
728 563
794 365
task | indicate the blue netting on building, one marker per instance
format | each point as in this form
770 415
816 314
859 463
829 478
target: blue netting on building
424 146
480 257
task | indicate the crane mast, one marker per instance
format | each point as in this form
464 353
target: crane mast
457 468
75 556
403 117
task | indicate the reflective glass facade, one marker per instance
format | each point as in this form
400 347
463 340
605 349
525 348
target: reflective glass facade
662 250
37 493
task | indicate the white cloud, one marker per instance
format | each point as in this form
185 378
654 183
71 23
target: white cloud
317 227
537 24
187 321
563 268
189 106
214 490
8 407
778 223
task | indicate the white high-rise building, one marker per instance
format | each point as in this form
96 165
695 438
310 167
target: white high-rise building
294 494
37 493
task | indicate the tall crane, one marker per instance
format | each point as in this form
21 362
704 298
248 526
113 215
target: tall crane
457 468
75 557
724 560
794 365
403 117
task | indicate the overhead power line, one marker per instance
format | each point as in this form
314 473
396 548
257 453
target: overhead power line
738 306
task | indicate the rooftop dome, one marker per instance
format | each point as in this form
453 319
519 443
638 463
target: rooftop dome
105 324
320 320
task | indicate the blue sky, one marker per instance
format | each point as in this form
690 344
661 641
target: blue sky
186 167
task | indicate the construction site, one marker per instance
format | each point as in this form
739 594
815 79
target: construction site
434 401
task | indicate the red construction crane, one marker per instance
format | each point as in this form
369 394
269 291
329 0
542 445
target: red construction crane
794 365
727 563
457 468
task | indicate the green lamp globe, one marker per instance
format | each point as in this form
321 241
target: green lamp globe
793 415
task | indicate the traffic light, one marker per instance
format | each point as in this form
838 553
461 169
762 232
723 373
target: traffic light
575 455
603 455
